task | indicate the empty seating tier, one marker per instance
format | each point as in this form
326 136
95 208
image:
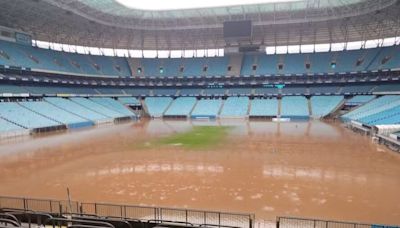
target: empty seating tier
294 107
113 105
97 107
57 114
235 107
77 109
156 106
207 108
17 114
359 99
264 108
182 106
323 105
129 100
383 110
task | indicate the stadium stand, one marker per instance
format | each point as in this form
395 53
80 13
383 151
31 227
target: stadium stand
377 109
239 91
214 92
387 116
294 91
322 106
280 64
12 89
129 100
97 107
207 108
156 106
56 114
266 91
6 126
17 114
164 92
113 105
103 90
77 109
294 107
324 90
359 100
264 108
47 60
137 92
357 89
235 107
387 88
181 106
190 92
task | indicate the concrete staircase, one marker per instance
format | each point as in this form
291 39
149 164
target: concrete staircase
134 64
235 62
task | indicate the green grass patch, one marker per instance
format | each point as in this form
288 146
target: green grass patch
200 137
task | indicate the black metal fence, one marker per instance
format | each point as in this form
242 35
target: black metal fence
292 222
155 214
188 216
39 205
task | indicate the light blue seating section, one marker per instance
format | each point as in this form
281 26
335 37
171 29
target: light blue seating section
322 106
75 108
191 66
52 90
387 116
264 107
137 92
12 89
164 92
156 106
357 89
235 107
129 100
217 66
190 92
103 90
214 92
393 53
113 105
96 107
240 91
181 106
294 90
375 106
346 61
38 58
387 88
266 91
320 90
6 126
13 54
359 99
57 114
207 108
17 114
294 107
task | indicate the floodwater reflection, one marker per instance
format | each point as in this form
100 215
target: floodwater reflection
310 169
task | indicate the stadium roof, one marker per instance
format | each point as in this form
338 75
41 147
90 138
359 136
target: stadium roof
110 24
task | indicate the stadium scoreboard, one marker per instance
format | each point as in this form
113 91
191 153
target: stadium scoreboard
238 29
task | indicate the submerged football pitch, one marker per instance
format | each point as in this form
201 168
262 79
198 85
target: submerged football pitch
199 137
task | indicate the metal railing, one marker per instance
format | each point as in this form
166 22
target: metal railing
39 205
188 216
142 213
293 222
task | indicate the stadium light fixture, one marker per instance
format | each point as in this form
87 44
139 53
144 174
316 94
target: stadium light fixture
161 5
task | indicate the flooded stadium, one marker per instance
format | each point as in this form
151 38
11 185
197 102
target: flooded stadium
308 169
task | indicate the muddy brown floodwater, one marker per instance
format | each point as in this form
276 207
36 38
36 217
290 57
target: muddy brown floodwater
309 169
